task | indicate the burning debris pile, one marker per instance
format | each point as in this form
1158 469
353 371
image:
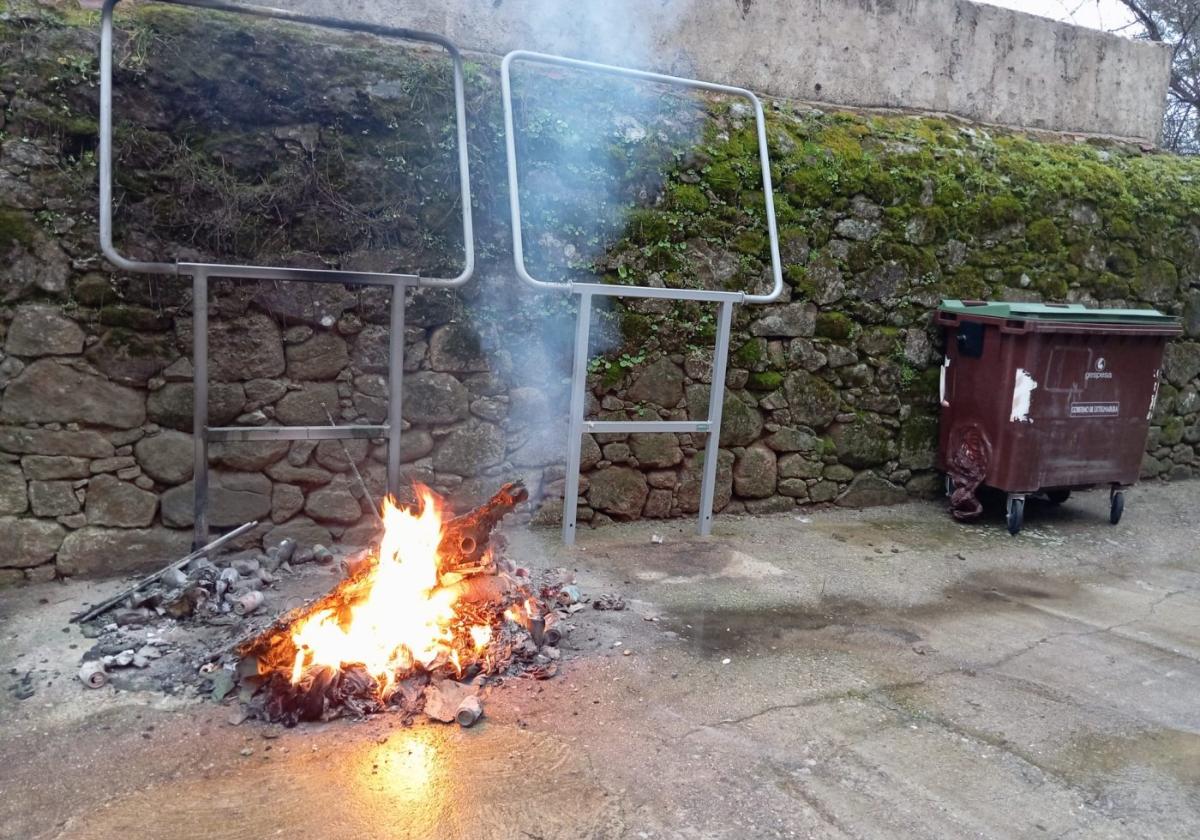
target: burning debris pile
436 602
420 624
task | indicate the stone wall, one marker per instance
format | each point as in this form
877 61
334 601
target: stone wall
269 144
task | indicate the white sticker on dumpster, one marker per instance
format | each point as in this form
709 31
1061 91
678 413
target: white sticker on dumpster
1096 409
1023 389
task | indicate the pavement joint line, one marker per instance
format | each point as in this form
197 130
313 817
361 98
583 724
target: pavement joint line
878 697
1094 629
818 700
1002 745
871 695
1004 660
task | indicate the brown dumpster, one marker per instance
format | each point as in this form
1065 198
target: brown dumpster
1046 398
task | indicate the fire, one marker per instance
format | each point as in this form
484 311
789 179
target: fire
481 634
402 619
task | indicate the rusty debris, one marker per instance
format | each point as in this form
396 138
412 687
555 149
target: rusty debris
966 466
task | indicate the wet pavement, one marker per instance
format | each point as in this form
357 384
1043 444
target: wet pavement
887 673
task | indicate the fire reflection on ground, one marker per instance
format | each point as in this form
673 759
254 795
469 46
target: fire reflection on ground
350 782
406 768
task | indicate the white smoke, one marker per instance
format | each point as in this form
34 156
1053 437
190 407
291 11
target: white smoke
591 149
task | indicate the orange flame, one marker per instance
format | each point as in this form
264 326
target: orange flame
516 616
403 618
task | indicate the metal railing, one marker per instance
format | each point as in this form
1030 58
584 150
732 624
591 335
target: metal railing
201 272
578 425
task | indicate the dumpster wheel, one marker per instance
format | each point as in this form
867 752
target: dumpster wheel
1016 514
1057 497
1116 506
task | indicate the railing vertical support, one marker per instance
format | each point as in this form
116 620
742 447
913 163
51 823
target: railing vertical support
395 389
200 408
716 403
583 323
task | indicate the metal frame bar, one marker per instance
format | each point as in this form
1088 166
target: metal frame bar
253 272
199 407
646 426
200 272
243 433
577 425
514 186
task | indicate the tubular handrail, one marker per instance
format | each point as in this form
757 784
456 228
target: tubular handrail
333 275
514 190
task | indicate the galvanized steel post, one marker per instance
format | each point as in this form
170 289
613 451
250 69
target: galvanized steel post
583 322
395 416
716 405
200 408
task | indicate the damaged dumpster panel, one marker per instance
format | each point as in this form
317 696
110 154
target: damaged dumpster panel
1045 398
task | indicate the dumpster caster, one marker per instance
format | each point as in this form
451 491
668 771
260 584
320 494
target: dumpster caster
1116 506
1057 497
1016 514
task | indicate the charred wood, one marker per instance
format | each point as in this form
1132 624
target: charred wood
466 538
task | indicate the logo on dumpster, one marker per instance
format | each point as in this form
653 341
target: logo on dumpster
1099 372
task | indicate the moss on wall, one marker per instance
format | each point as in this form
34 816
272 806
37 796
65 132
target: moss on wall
15 229
960 209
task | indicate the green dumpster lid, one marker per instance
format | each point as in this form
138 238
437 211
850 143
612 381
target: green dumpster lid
1064 312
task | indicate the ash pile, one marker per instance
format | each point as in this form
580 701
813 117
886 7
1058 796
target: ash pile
161 632
427 623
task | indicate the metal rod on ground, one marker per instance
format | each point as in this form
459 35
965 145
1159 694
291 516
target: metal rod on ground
354 468
149 579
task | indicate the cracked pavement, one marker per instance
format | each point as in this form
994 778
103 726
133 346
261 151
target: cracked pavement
839 674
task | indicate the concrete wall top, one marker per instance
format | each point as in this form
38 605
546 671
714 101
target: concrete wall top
980 62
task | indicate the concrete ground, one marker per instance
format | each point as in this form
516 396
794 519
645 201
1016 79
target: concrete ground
887 673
